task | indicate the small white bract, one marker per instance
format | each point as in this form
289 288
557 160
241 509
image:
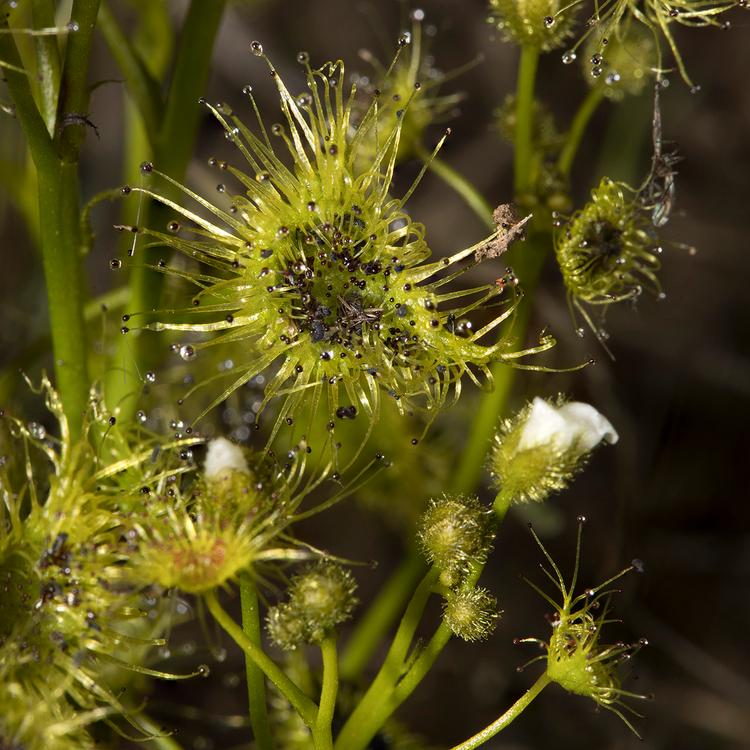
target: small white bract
572 424
223 456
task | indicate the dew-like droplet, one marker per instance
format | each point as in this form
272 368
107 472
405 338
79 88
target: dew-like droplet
150 376
187 352
204 670
115 263
147 167
404 38
140 416
256 48
37 431
569 57
549 22
303 57
72 26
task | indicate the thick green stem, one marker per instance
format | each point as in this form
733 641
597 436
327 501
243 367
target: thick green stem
524 143
300 702
57 171
461 185
382 613
322 731
256 682
578 128
503 721
172 152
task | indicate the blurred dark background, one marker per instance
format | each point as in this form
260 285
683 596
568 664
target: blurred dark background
674 492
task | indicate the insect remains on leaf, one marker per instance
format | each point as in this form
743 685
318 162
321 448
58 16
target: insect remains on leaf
510 227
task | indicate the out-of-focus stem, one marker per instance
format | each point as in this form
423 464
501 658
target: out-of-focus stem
473 198
523 143
172 152
578 128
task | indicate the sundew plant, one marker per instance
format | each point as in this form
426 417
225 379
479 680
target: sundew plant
243 349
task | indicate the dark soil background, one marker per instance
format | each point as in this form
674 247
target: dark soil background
674 492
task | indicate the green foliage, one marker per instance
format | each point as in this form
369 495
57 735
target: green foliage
306 293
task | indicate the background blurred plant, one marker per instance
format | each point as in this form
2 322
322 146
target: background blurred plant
131 528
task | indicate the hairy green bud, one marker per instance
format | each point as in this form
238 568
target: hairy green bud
321 597
471 614
534 23
455 532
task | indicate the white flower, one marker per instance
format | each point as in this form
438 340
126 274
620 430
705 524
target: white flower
574 424
224 456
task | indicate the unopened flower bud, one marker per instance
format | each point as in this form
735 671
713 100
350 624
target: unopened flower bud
285 627
544 24
471 614
455 532
320 599
540 450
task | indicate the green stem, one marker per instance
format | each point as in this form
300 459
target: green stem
492 403
461 185
300 702
256 683
322 731
174 147
524 144
502 722
73 100
141 85
392 668
578 128
382 613
389 690
59 230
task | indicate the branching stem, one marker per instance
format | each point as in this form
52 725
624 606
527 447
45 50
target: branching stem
305 707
